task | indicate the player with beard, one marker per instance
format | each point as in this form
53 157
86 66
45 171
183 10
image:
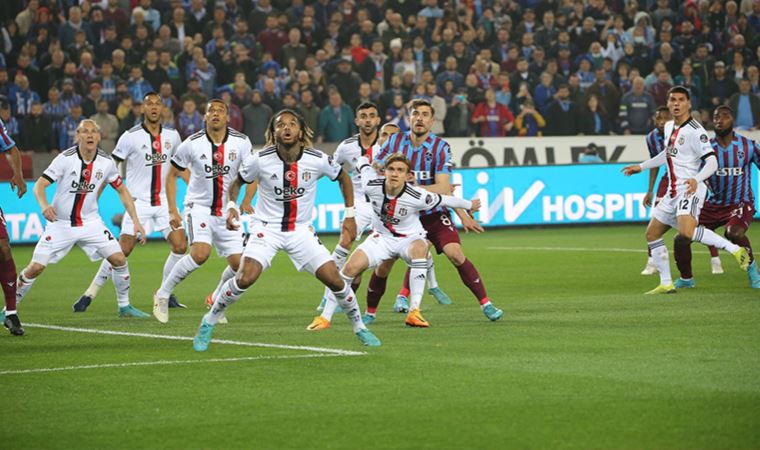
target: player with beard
690 160
7 265
430 157
80 174
397 231
349 152
213 156
146 150
287 171
731 202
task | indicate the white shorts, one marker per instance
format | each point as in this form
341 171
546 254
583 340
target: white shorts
59 237
669 208
153 218
203 227
379 247
302 246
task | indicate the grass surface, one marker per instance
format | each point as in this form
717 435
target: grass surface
581 359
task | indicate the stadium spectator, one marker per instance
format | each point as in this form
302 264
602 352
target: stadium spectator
35 134
189 121
309 110
69 127
108 124
562 114
492 119
90 103
529 122
590 155
747 107
256 117
11 124
636 109
22 97
593 118
544 92
346 81
721 86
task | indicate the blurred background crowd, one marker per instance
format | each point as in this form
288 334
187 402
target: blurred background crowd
489 67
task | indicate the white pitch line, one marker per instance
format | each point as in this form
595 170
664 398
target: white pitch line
581 249
166 363
186 338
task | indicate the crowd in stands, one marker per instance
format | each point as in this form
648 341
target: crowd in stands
489 67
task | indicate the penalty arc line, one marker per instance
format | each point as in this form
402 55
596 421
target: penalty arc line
333 351
166 363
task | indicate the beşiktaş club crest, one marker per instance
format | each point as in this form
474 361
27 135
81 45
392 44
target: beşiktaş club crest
167 145
306 176
99 174
681 140
402 211
290 175
232 156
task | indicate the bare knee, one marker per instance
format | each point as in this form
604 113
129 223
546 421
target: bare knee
455 254
418 250
117 259
250 272
179 248
200 254
734 235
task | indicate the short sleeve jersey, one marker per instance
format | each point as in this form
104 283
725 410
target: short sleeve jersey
147 158
398 215
286 190
212 168
79 183
731 184
431 158
686 146
348 152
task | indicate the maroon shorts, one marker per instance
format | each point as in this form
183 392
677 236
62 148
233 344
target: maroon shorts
714 216
440 230
3 227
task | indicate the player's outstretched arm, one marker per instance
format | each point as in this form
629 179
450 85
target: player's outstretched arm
175 221
650 163
708 169
39 193
347 190
129 205
468 222
650 189
17 180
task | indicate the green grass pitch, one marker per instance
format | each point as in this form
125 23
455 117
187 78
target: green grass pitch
581 359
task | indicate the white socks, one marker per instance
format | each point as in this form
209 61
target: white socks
121 283
347 300
226 275
709 237
661 260
184 267
431 280
339 255
417 276
23 284
169 264
229 293
104 273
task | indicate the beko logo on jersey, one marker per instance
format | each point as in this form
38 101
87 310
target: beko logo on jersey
289 192
729 172
155 159
81 188
216 171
